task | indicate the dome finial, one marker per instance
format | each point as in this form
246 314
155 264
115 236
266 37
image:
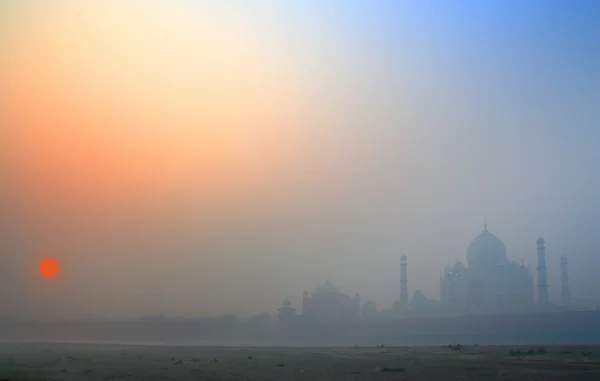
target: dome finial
484 224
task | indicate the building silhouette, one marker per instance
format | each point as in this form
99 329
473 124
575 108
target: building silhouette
403 283
565 294
329 303
369 310
490 283
286 312
542 274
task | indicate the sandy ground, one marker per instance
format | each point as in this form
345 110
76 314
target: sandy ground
29 361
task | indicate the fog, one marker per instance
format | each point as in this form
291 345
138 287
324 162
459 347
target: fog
320 141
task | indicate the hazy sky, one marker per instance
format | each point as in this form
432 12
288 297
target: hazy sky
210 157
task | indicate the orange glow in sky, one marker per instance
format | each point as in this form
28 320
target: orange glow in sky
131 119
109 102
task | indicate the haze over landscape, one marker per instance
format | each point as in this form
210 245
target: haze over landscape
214 157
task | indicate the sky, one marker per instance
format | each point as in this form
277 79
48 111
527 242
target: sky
212 157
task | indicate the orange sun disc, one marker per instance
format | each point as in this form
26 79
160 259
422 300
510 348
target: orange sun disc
49 267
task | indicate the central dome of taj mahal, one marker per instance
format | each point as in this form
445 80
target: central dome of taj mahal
486 250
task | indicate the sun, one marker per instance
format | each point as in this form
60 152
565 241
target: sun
49 267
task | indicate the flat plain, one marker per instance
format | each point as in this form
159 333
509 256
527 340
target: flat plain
48 361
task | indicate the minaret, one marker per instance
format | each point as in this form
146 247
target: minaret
403 282
356 305
305 302
565 295
542 281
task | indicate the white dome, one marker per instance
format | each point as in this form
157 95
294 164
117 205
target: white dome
486 250
458 266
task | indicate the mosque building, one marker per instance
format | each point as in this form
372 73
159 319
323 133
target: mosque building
286 312
329 303
490 283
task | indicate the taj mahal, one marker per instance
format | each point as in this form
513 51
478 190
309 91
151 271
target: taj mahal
489 283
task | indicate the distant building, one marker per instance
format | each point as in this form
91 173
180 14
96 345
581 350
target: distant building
565 294
286 312
369 310
420 305
328 303
403 305
261 320
542 277
490 283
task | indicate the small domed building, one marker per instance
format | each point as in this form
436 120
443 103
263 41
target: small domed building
286 312
328 303
369 310
490 283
